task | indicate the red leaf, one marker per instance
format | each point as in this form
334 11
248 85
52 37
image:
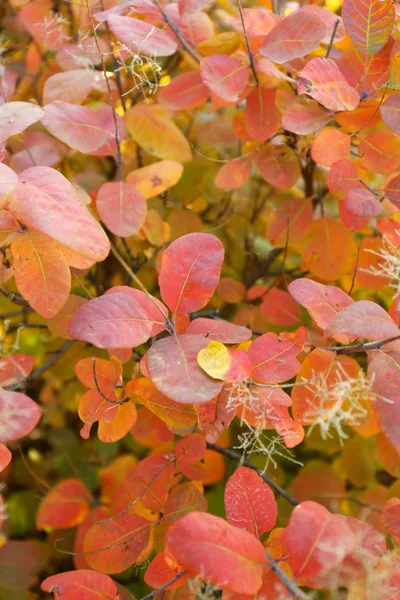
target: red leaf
390 112
151 305
343 177
113 320
214 416
273 358
189 451
380 152
182 499
296 35
225 76
305 116
279 308
85 585
249 502
330 145
384 373
140 37
262 118
116 545
211 548
322 80
159 572
184 92
362 203
315 540
19 415
64 506
390 518
5 457
190 271
172 366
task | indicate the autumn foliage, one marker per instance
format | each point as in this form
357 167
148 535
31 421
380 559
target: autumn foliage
200 300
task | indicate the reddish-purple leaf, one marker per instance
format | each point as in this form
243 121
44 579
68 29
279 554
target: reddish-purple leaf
122 208
249 502
19 415
294 36
152 306
225 76
190 271
172 366
58 212
362 203
139 37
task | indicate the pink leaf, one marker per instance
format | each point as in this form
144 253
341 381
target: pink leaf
294 36
5 457
112 321
172 366
122 208
57 212
364 319
8 182
225 76
140 37
274 358
15 368
19 415
15 117
77 126
219 330
190 271
185 91
322 80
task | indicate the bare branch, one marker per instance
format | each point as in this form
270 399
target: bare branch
50 362
177 33
363 347
289 584
14 298
246 37
232 455
332 38
161 589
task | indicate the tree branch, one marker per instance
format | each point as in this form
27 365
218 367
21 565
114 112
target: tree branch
332 38
232 455
51 361
363 347
177 33
161 589
246 37
14 298
289 584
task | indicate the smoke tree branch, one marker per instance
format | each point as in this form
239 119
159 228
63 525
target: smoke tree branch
232 455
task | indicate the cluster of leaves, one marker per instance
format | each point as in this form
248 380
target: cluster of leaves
200 237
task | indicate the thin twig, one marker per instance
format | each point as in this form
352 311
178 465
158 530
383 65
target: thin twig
232 455
14 298
353 280
332 38
177 33
136 279
16 313
159 590
246 37
118 402
114 114
50 362
289 584
363 347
